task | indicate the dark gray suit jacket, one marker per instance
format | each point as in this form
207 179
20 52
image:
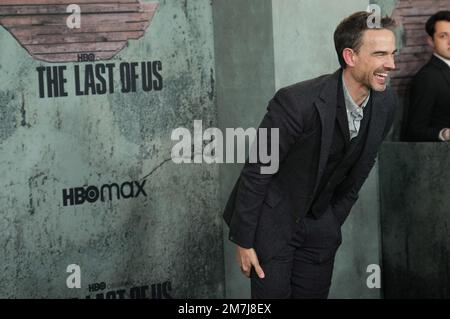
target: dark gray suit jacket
262 209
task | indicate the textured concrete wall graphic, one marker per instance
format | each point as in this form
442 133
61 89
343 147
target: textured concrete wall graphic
160 234
415 218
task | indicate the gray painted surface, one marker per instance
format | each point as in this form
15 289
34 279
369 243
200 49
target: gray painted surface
245 84
173 234
387 6
415 219
303 37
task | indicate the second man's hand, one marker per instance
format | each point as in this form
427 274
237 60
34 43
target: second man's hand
446 134
247 259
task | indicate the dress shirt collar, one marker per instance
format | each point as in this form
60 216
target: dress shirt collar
447 61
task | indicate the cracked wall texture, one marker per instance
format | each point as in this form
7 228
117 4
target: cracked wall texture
415 220
172 234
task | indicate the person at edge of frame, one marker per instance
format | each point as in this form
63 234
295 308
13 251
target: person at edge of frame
429 98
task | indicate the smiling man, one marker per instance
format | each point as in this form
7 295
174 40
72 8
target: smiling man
287 225
429 119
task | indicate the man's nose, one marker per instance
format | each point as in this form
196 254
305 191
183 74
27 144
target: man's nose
390 63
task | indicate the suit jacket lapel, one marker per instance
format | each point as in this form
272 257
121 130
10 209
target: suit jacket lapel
376 124
342 113
343 124
326 106
446 73
445 69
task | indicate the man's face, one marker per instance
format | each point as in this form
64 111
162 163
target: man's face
375 59
441 39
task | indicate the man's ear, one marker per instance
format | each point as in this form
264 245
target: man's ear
349 56
430 41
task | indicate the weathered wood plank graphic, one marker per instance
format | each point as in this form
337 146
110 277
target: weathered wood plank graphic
40 26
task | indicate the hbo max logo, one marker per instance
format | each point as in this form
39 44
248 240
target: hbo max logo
91 194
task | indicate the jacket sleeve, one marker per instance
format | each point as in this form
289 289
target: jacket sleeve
423 97
342 206
282 114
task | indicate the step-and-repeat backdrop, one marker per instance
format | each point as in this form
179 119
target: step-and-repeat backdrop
91 203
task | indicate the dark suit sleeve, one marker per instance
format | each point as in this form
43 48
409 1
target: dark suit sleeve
283 114
423 97
343 205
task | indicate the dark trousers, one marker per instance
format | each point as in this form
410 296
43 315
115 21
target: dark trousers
303 268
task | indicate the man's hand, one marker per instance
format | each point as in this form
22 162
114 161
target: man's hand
247 259
446 134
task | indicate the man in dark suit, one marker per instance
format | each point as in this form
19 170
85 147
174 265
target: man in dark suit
429 113
287 225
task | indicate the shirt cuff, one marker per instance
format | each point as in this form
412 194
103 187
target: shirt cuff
441 135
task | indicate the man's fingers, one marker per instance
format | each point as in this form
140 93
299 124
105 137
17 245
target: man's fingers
259 270
246 270
247 260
